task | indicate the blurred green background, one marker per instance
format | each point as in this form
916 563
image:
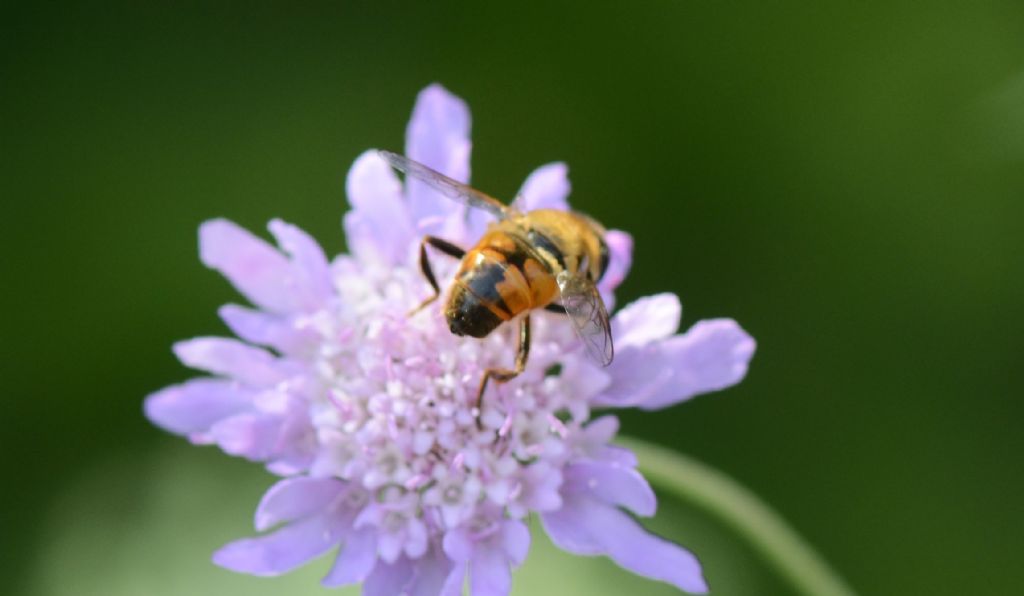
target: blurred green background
844 180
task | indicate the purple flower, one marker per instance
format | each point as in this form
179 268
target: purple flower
367 413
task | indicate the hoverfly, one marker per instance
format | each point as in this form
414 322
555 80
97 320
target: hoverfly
523 262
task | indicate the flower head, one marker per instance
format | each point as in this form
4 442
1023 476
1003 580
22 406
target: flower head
369 414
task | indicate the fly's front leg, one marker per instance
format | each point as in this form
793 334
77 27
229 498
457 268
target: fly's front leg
447 248
500 375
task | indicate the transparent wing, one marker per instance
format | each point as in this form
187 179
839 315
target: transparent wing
445 185
589 316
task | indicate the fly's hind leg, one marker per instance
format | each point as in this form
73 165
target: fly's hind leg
447 248
501 375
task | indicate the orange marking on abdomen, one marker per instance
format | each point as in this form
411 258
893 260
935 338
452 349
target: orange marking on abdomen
497 285
515 291
542 284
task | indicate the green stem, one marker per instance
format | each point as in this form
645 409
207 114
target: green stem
742 511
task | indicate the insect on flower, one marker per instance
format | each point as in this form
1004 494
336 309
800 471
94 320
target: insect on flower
367 413
524 261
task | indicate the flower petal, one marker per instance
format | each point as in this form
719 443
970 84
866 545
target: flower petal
389 546
568 527
378 227
230 358
637 373
294 449
282 550
612 483
458 545
547 187
311 277
648 555
593 443
585 526
431 574
438 137
195 405
265 329
355 560
620 258
539 487
293 498
415 539
710 356
388 579
455 580
253 266
600 430
515 539
647 319
249 435
585 377
489 572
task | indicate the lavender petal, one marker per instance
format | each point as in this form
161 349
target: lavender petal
712 355
586 526
311 277
283 550
438 137
431 574
620 253
515 541
388 579
612 483
294 498
253 266
456 579
647 319
265 329
378 228
195 405
569 528
489 572
637 374
355 560
458 545
253 436
547 187
230 358
645 554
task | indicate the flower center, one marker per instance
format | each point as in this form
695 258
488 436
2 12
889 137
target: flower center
356 498
453 494
394 521
481 527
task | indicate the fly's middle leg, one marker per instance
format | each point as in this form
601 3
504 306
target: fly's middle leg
447 248
501 375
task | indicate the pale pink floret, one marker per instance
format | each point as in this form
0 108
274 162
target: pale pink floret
367 413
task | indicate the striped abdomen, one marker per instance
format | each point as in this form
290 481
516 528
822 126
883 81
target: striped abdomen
498 279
